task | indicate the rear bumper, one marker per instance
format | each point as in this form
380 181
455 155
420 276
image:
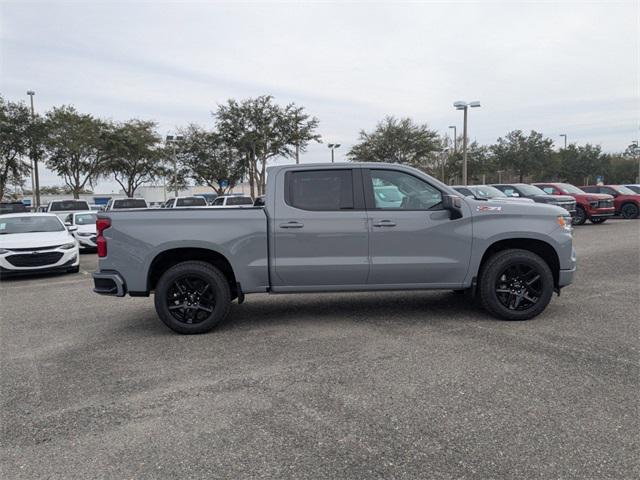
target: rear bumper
109 283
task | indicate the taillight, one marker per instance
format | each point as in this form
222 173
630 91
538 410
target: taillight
101 225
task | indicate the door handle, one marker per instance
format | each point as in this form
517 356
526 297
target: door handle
384 223
291 225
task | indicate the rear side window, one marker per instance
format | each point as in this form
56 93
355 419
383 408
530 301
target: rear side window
130 203
69 205
239 201
219 201
191 202
324 190
590 189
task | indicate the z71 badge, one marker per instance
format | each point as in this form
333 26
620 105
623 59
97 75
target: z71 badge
488 208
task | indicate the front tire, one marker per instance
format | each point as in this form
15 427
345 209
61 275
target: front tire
192 297
629 211
515 284
580 217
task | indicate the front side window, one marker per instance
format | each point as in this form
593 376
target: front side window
323 190
398 190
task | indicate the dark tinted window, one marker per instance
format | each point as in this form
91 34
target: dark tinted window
219 201
320 189
590 189
239 201
68 205
17 207
192 202
130 203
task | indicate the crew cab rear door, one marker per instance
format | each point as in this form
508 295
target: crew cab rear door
412 239
320 229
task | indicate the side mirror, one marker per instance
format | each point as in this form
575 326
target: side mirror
453 203
67 224
71 228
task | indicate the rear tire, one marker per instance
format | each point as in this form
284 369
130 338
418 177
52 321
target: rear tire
580 217
597 221
629 211
192 297
515 284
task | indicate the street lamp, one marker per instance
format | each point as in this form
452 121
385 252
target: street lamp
455 139
565 139
461 105
173 140
333 146
35 179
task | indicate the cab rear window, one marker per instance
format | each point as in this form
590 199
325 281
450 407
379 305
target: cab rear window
69 205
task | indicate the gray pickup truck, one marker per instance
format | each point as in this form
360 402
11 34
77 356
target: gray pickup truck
337 227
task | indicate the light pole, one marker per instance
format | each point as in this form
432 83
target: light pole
460 105
565 139
35 180
634 148
455 139
333 146
173 140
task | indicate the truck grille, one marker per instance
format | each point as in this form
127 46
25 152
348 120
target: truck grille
605 204
34 259
567 205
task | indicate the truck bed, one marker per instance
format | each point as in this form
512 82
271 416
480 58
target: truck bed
136 238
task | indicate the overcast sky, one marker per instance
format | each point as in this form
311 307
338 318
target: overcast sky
554 67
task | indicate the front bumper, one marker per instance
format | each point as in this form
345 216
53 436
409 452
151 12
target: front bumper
37 261
109 283
601 212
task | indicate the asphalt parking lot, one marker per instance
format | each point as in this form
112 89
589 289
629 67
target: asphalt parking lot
367 385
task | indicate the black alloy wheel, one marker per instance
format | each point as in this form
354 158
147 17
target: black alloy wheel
190 299
579 217
519 286
629 210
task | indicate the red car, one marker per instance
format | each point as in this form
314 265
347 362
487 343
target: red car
626 201
595 207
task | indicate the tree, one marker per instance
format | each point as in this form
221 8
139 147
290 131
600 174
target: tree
132 154
260 130
523 154
480 164
577 163
398 141
75 146
15 136
207 159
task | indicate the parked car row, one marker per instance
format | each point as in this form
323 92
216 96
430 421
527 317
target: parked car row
595 203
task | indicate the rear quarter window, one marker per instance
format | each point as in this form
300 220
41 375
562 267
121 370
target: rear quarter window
130 203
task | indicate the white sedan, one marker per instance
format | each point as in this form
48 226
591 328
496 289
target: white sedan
36 243
85 233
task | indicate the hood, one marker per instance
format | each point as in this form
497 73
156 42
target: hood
35 239
595 196
554 198
506 208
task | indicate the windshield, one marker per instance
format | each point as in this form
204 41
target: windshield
86 218
530 190
68 205
624 190
30 224
485 191
568 188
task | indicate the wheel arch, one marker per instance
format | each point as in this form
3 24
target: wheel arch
541 248
173 256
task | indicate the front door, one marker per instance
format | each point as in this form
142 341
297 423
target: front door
320 229
412 240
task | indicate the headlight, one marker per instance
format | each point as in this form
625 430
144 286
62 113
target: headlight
565 222
67 246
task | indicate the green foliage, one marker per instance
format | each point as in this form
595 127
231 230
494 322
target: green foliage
523 154
132 154
76 147
208 159
398 141
260 129
16 132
